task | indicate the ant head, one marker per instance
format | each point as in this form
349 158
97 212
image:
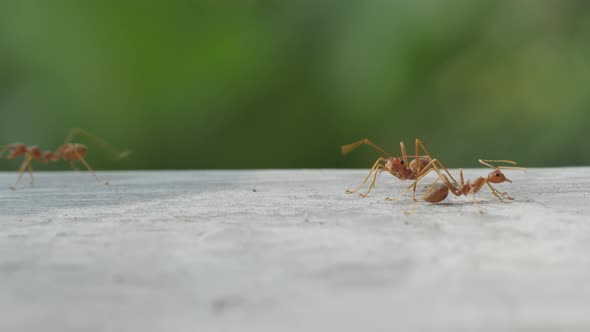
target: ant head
394 164
497 177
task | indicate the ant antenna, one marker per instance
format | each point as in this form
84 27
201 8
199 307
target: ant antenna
485 162
346 149
98 141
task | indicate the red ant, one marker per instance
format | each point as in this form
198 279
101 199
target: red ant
437 192
396 166
68 151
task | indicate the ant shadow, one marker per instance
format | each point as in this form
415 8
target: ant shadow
470 203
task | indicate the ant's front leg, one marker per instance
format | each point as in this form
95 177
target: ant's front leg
505 194
376 166
502 193
372 185
502 196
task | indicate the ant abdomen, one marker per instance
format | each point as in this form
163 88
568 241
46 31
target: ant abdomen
437 194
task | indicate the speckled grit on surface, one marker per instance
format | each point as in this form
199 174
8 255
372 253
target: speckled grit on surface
288 250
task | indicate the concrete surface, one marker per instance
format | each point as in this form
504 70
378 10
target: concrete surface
290 251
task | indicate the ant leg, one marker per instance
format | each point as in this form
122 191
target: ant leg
374 168
472 192
455 190
423 196
346 149
503 193
22 169
98 141
427 169
421 145
413 185
499 194
404 155
104 183
31 174
418 157
372 185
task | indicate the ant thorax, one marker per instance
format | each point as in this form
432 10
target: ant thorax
474 186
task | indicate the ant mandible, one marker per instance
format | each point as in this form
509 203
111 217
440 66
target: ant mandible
68 151
397 166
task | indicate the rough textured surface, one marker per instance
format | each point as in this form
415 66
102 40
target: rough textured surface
290 251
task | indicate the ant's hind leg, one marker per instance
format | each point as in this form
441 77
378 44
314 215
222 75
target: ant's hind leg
21 170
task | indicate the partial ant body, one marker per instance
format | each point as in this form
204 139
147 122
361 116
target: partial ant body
437 192
68 151
397 166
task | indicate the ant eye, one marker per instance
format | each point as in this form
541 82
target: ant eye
497 174
402 162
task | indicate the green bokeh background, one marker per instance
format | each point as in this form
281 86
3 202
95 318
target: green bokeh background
280 84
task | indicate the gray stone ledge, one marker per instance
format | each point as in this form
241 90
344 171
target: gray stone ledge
288 250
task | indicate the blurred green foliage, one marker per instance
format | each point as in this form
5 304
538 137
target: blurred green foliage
273 84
